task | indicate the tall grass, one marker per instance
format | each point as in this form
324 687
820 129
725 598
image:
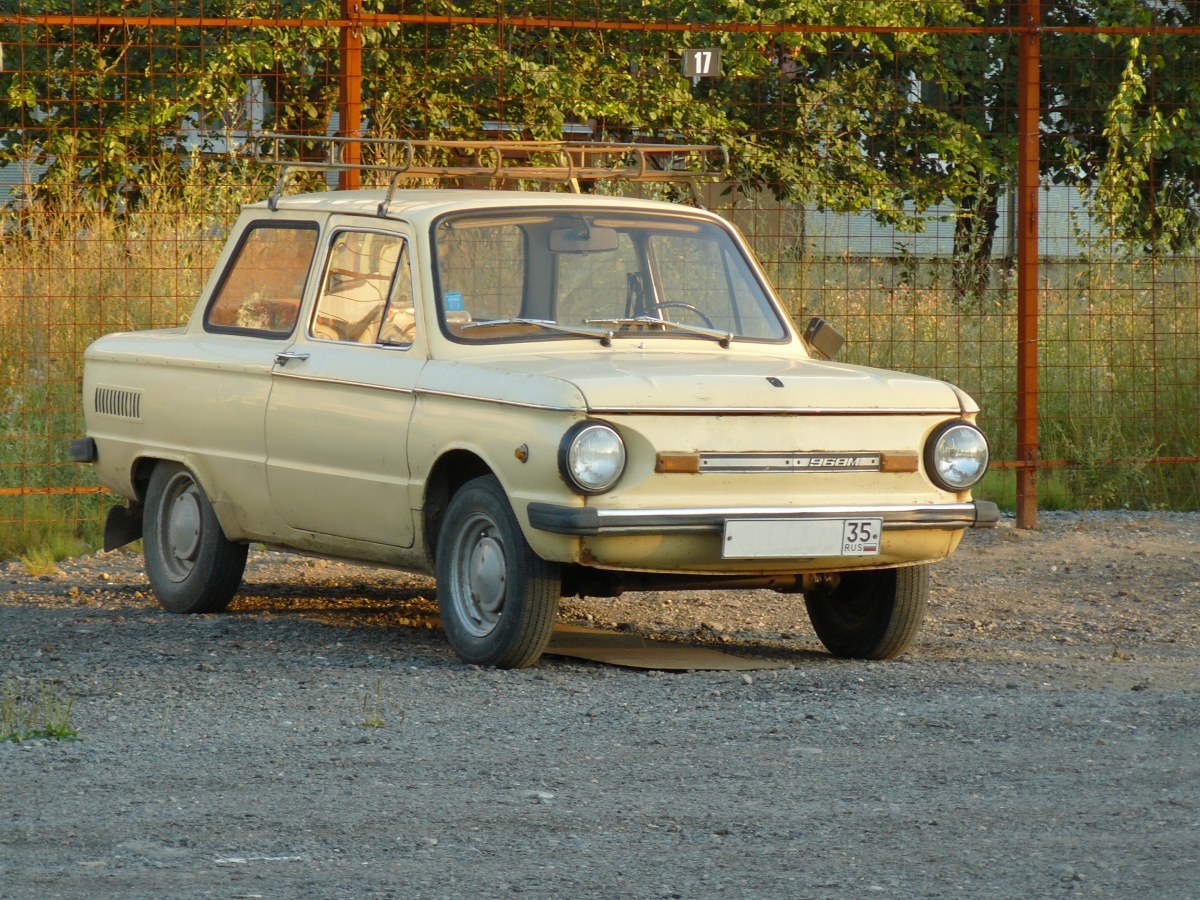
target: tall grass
68 276
35 712
1119 356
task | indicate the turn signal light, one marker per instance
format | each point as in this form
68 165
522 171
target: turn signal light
687 463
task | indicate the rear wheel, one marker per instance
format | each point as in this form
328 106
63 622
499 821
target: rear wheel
192 566
498 599
869 615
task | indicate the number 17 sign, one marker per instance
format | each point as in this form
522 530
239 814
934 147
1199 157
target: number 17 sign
702 63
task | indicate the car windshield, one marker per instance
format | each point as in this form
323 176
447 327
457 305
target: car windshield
554 275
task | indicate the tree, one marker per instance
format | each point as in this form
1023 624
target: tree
1117 122
93 103
893 123
103 105
1126 131
828 118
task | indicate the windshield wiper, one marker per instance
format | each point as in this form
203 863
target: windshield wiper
724 338
603 334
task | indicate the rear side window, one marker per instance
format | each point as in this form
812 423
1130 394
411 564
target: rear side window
261 288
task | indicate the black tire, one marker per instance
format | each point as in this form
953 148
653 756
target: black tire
498 599
870 615
192 566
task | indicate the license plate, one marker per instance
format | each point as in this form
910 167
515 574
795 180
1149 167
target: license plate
792 538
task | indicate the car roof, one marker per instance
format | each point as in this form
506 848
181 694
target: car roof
426 205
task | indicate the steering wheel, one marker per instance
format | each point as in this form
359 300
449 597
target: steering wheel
679 304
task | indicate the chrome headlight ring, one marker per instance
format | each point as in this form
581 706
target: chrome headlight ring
591 457
956 456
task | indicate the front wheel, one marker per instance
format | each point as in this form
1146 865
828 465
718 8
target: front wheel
498 599
192 566
869 615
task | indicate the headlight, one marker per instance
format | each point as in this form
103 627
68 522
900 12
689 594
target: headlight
591 457
956 456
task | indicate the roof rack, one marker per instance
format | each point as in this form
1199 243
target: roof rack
560 162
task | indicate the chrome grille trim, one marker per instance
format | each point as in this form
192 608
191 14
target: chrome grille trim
856 461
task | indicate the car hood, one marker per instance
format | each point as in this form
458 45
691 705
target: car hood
681 382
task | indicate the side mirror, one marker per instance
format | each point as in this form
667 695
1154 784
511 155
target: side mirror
822 338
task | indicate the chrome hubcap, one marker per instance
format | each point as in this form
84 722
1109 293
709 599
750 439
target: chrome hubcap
481 576
487 574
182 526
185 526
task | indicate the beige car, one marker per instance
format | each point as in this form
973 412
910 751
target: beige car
530 395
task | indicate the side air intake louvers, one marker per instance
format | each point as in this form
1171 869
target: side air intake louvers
118 402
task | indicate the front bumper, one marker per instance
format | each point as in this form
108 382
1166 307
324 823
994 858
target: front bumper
589 521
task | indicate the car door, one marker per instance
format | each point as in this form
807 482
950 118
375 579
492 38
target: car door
342 395
214 395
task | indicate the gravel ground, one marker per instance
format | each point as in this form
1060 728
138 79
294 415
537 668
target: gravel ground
1042 738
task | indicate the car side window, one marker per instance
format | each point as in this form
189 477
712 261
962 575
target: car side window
400 318
261 288
366 290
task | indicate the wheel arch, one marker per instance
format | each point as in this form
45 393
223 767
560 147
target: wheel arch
451 471
140 472
143 467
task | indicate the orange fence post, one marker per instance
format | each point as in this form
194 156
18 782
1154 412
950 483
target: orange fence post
1028 165
350 92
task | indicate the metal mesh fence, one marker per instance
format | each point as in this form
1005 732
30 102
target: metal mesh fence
1004 195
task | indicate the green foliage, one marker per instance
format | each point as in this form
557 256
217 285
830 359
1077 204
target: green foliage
1148 184
104 105
374 707
1109 469
33 712
50 528
890 123
1124 128
39 561
828 118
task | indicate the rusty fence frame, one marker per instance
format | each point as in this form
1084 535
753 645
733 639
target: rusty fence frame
1029 32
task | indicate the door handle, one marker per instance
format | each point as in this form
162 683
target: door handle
284 356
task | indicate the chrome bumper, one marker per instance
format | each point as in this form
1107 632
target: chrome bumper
589 521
